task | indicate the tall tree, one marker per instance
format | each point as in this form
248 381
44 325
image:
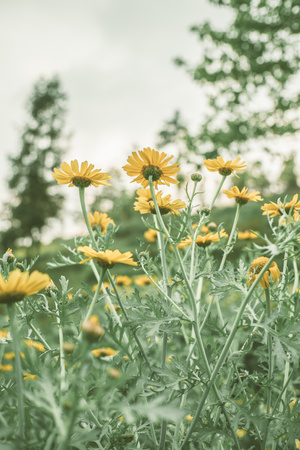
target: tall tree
249 73
43 142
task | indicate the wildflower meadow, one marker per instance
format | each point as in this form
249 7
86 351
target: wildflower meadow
190 350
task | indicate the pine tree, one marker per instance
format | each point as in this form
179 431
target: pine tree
43 142
249 74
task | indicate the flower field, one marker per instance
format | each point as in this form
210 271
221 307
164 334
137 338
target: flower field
196 351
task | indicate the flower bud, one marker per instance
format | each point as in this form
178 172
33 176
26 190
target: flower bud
8 256
50 288
212 226
205 211
20 266
92 329
68 347
114 373
197 177
180 178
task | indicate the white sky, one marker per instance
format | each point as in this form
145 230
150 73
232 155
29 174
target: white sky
115 61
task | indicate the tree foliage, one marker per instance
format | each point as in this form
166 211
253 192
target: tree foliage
249 74
33 201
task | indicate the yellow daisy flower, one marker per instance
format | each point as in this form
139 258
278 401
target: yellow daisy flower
122 280
37 345
204 241
6 367
142 280
224 168
100 220
151 163
297 443
150 235
11 355
256 267
164 203
21 284
29 376
107 258
240 432
276 210
116 308
245 235
242 197
189 417
3 334
145 193
105 351
83 177
106 285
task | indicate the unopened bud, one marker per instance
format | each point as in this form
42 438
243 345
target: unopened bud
114 373
68 347
50 288
20 266
212 226
8 256
180 178
197 177
92 328
205 211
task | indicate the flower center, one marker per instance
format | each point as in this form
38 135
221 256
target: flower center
12 297
225 171
104 263
241 200
153 171
204 243
81 181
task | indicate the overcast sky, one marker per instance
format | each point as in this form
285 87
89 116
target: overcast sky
115 61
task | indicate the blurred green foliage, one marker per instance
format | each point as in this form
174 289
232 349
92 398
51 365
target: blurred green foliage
248 74
32 199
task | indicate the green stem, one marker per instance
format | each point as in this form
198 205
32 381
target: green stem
227 248
188 212
270 369
218 191
85 215
127 318
161 248
284 277
91 307
226 251
225 351
63 384
163 430
35 330
18 368
90 310
296 279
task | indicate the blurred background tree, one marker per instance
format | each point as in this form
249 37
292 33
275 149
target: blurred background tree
33 201
250 76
